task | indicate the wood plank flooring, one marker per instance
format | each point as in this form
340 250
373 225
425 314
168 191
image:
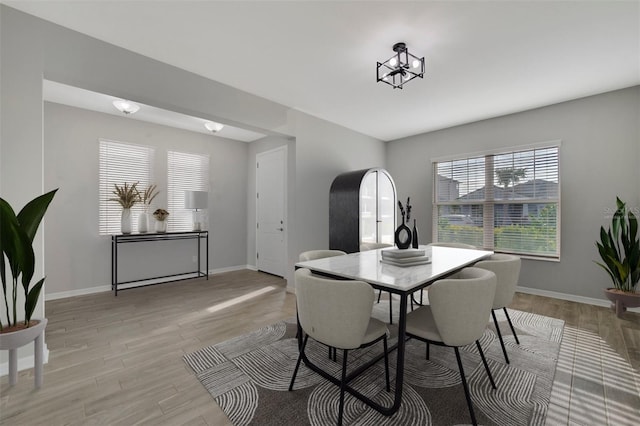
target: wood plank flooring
118 360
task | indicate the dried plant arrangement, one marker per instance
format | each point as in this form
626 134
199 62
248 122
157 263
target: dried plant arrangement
148 195
160 214
127 195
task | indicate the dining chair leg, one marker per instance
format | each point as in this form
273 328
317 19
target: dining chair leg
386 362
466 387
513 330
379 294
486 366
504 350
390 308
295 371
426 355
343 384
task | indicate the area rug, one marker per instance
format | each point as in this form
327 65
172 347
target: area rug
249 376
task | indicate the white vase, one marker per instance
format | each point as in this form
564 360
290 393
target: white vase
161 226
143 222
125 221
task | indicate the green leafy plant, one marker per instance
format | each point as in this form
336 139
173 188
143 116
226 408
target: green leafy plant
127 195
619 248
16 245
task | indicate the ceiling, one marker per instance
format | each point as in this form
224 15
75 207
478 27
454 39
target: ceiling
483 58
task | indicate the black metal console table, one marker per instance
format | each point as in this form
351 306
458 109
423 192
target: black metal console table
118 239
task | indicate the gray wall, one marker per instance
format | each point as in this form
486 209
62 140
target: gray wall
323 151
598 160
77 258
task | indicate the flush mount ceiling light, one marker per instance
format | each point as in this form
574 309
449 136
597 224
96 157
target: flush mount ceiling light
213 127
400 68
126 107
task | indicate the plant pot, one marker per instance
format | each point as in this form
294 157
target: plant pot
161 226
13 340
621 300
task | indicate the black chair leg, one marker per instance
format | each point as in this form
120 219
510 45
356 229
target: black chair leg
513 330
379 294
295 371
390 308
343 384
504 350
386 362
426 355
486 366
466 387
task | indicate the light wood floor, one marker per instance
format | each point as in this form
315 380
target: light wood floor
118 360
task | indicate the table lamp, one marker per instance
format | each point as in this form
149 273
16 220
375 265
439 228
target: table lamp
196 200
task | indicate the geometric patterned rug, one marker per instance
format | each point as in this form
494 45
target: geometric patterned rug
249 376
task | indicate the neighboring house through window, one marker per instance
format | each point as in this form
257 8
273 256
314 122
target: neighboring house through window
507 202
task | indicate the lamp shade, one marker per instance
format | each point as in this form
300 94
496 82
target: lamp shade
196 200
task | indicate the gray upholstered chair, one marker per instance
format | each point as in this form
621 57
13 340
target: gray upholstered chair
337 313
375 246
319 254
507 270
457 316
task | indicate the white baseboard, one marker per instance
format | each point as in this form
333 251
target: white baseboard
104 288
24 363
570 297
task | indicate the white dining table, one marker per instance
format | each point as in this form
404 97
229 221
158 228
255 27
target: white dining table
401 280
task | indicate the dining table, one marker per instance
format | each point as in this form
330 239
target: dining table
402 281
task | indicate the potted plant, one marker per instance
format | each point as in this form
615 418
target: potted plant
127 195
146 198
161 215
16 246
619 249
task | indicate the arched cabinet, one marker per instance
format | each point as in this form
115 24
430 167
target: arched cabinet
362 208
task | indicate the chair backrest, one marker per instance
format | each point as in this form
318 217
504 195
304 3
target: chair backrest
319 254
507 270
461 305
454 245
333 312
373 246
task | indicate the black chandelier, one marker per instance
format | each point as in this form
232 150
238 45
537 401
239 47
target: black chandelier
400 68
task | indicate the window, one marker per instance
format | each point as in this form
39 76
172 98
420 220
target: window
119 163
507 202
186 172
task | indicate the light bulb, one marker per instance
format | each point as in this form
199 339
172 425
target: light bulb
415 63
393 62
385 76
406 76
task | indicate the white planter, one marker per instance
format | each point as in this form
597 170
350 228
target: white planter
143 222
161 226
125 221
14 340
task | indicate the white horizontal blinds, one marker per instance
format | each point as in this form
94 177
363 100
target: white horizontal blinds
186 172
459 208
526 202
119 163
507 202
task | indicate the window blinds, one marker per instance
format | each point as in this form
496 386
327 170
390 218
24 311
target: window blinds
508 202
186 172
119 163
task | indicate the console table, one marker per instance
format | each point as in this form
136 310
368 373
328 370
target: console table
118 239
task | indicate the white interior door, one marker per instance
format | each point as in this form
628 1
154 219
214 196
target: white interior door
270 211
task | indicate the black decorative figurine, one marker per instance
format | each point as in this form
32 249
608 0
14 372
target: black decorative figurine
403 233
414 238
